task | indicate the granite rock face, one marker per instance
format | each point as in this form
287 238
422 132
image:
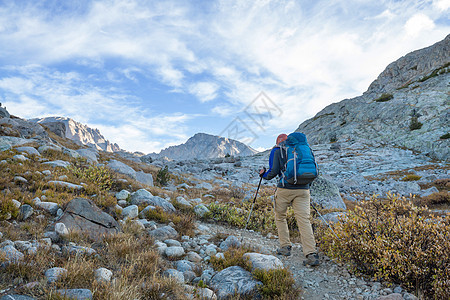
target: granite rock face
417 85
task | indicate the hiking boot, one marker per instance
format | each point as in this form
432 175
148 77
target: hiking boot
286 251
312 260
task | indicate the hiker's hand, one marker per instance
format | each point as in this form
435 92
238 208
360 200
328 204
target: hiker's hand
262 171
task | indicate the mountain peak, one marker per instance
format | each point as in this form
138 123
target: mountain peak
78 132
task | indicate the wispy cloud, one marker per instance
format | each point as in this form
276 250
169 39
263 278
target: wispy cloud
304 54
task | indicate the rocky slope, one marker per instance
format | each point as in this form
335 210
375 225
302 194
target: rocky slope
71 129
408 105
202 146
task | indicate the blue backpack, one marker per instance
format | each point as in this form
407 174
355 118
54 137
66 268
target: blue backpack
301 166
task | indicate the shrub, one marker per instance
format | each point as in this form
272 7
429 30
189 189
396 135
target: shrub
394 241
445 136
442 197
232 257
384 97
277 284
411 177
415 124
442 183
163 176
100 176
7 209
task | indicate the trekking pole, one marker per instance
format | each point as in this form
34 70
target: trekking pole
324 220
254 200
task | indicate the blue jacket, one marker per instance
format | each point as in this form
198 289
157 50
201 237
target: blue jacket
277 163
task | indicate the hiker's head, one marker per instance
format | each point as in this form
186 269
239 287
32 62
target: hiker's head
281 138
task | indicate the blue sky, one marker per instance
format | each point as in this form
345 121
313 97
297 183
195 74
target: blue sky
150 74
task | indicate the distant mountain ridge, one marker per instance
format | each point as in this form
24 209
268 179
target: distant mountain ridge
205 146
83 134
408 105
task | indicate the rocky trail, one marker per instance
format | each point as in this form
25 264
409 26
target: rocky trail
329 280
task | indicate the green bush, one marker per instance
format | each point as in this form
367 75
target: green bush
394 241
445 136
415 124
277 284
163 176
8 209
100 176
384 97
411 177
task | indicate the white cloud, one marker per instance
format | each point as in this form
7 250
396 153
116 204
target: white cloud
204 91
418 23
442 5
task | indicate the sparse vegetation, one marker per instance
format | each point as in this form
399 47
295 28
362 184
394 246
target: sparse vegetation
411 177
394 241
442 70
163 176
415 124
445 136
384 97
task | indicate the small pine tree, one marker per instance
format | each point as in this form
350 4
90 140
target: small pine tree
163 176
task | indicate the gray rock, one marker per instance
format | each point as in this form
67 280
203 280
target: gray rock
4 113
20 157
193 257
429 191
145 178
78 294
16 297
57 163
20 180
326 194
201 210
164 233
55 274
25 212
189 276
78 250
90 155
66 185
234 281
84 216
177 275
122 168
144 197
50 147
174 252
130 212
184 265
230 241
50 207
103 275
265 262
61 229
29 150
11 254
408 296
122 195
393 296
172 242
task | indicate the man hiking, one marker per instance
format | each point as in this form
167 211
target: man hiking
288 194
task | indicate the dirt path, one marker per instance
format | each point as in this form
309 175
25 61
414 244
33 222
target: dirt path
326 281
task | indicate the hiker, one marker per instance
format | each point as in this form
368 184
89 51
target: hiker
287 194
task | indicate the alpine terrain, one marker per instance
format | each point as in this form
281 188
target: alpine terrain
80 219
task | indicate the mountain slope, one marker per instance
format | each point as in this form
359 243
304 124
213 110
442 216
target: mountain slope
71 129
408 105
203 145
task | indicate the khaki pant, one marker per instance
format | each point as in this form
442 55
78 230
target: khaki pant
299 199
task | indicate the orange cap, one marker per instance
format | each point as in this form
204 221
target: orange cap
281 138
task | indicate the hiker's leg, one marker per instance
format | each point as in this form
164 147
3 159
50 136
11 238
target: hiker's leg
301 208
282 202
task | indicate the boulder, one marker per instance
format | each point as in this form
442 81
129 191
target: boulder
234 281
175 274
122 195
201 210
54 274
230 241
163 233
28 150
50 207
84 216
11 254
174 252
25 212
103 275
90 155
78 294
16 297
144 197
58 163
122 168
66 185
264 262
130 212
325 193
